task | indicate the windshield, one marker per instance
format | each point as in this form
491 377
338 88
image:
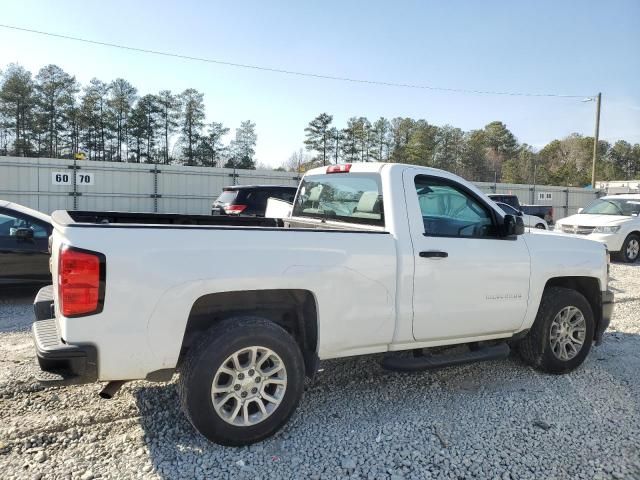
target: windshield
346 197
613 206
508 209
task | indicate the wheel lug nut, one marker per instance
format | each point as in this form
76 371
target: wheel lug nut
254 390
236 387
240 376
243 394
251 372
258 379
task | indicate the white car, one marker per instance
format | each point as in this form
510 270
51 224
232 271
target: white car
613 220
374 258
530 221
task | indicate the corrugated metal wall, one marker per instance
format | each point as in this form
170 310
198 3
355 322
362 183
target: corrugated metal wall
564 200
177 189
130 187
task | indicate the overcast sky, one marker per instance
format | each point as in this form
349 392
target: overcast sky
568 47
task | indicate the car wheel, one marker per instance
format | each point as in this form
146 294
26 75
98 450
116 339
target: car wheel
541 226
630 248
562 333
242 381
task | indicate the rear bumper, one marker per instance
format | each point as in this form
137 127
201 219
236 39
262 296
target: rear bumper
607 313
60 363
43 303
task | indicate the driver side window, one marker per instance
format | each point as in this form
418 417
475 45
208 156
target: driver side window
10 223
448 211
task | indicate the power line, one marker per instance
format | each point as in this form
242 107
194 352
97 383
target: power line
292 72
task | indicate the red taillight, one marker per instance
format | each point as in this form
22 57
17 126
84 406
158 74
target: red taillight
80 282
231 209
344 168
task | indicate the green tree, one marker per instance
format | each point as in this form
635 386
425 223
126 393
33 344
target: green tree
168 118
621 156
401 132
319 139
56 90
97 115
501 145
192 121
381 140
122 96
243 147
422 143
473 162
448 148
335 134
350 141
16 106
215 149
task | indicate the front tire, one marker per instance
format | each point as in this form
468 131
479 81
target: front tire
541 226
562 333
242 381
630 248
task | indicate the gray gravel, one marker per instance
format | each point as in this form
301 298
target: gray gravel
494 420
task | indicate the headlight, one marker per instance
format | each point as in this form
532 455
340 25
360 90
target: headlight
606 229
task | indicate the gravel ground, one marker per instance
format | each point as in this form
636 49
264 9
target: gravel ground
492 420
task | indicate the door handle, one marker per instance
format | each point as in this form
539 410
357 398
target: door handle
434 254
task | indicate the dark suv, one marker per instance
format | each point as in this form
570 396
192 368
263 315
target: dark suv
250 200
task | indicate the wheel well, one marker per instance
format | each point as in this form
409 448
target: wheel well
293 310
589 287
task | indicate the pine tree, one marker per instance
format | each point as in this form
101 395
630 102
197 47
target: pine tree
318 134
192 121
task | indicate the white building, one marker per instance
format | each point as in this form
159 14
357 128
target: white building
619 186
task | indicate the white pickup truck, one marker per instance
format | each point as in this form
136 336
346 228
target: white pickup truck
374 258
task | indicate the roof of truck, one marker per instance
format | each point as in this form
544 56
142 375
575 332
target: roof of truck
26 210
244 187
624 196
375 167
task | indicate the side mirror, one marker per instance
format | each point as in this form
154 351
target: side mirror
24 233
580 210
512 226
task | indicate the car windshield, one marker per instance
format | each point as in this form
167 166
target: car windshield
508 209
346 197
613 206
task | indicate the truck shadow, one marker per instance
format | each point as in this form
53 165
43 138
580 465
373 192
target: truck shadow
353 400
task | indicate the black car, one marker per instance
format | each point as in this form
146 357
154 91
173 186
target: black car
24 249
250 200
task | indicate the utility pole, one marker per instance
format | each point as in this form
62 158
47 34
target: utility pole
595 142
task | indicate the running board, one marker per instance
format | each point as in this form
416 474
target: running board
430 362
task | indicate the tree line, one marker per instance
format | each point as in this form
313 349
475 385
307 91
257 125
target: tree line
52 115
489 154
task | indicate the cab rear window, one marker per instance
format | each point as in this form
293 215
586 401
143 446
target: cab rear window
348 197
227 196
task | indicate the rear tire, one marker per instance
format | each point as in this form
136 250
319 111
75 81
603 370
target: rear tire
630 248
233 360
541 226
562 333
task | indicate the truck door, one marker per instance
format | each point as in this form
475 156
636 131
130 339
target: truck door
469 281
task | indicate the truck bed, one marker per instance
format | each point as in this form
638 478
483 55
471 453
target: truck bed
106 218
88 218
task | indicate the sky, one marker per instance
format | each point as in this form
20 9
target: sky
566 48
